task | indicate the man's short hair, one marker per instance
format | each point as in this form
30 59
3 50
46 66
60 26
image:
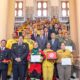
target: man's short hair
4 40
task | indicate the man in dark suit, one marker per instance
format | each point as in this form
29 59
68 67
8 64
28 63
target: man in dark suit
20 51
55 44
46 33
56 29
50 30
4 60
42 40
34 35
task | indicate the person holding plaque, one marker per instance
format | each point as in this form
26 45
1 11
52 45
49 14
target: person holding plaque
64 63
48 63
35 58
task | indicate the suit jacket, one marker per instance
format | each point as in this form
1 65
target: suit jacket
4 54
56 32
42 42
48 36
56 45
33 37
50 30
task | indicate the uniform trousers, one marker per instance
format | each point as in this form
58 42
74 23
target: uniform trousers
3 74
19 71
64 71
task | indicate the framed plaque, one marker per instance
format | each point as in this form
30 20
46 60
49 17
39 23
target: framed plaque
52 55
35 58
69 48
66 61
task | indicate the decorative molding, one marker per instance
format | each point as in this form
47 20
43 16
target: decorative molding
29 12
54 11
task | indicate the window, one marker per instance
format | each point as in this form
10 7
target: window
18 8
65 8
42 8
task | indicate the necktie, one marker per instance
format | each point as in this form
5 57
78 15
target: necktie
35 36
52 41
2 48
41 37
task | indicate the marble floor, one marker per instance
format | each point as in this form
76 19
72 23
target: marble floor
58 79
70 79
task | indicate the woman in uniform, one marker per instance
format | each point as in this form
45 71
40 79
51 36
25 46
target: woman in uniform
64 62
48 64
36 64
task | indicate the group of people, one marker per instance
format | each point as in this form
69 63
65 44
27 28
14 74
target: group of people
30 54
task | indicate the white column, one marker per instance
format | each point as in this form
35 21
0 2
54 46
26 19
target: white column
3 18
73 24
10 23
78 22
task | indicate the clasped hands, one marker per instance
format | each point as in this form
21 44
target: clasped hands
18 59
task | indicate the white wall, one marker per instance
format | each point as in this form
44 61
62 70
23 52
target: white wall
54 2
29 3
53 7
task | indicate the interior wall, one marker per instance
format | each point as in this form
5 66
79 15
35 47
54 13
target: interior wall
54 2
29 8
53 8
29 3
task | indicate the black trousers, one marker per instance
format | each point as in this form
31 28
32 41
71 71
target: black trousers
3 74
36 75
55 70
19 71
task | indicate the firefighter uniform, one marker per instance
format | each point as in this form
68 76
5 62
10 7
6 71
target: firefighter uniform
48 67
30 42
35 68
9 45
10 42
64 71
